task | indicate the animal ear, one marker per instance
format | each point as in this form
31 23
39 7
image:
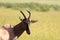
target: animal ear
20 18
33 21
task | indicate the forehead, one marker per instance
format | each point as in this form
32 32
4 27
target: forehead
26 20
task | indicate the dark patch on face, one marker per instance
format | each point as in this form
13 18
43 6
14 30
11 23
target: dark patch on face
27 28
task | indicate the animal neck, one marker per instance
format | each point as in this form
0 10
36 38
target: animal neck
19 29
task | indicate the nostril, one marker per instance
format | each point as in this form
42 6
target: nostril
29 33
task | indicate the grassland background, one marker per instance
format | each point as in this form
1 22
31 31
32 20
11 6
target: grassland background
36 1
47 27
31 6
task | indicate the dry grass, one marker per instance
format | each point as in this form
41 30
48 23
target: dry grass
47 27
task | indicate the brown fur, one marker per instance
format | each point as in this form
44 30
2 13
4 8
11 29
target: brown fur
9 33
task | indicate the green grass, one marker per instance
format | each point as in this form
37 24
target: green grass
47 27
31 6
37 1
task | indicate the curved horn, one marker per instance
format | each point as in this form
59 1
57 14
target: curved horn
29 14
23 14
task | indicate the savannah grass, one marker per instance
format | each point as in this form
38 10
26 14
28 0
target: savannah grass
31 6
47 27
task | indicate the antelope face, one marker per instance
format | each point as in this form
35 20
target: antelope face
27 21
